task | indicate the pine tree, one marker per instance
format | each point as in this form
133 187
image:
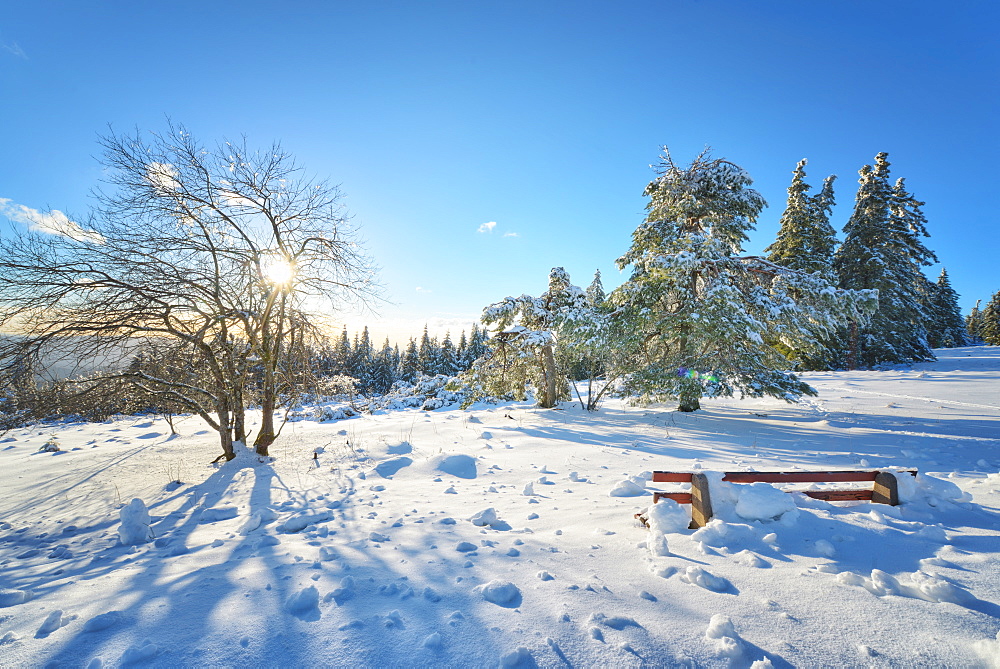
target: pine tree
478 344
806 240
588 350
409 362
699 316
990 328
882 250
383 369
429 355
595 291
974 325
523 352
361 361
342 354
946 327
461 353
448 363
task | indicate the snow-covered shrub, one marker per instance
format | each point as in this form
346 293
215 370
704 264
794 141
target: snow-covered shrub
50 446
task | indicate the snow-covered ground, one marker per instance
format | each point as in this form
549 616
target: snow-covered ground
490 537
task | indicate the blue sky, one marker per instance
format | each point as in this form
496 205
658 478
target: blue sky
543 117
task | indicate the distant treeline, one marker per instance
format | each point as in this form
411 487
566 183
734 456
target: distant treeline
376 370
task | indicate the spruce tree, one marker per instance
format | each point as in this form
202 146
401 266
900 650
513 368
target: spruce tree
409 362
448 363
595 291
946 327
342 354
523 352
383 370
974 325
806 240
990 327
698 316
461 353
882 250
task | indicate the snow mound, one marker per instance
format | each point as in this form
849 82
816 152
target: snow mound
13 597
219 513
103 621
389 468
614 622
664 517
728 644
303 520
489 518
929 587
461 466
521 657
935 490
258 519
140 653
52 622
303 602
762 501
501 593
135 528
627 488
704 579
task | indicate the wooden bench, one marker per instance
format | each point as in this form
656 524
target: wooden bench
884 489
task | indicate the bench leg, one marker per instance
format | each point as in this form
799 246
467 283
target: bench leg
701 501
886 490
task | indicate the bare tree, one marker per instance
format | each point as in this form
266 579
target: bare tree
222 255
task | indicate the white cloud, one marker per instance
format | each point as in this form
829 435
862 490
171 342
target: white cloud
50 222
421 289
15 49
511 234
488 227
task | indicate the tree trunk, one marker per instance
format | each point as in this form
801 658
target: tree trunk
266 435
548 398
226 434
852 350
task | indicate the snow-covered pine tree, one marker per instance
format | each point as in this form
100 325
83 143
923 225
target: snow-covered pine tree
462 352
409 362
946 327
342 354
588 336
447 357
478 344
882 250
990 328
429 355
595 291
698 316
522 352
974 325
361 361
806 240
384 368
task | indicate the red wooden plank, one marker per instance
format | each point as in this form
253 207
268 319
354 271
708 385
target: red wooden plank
679 497
838 495
672 477
798 477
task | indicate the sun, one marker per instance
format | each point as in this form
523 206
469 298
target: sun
277 270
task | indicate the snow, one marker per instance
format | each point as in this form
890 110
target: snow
359 559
